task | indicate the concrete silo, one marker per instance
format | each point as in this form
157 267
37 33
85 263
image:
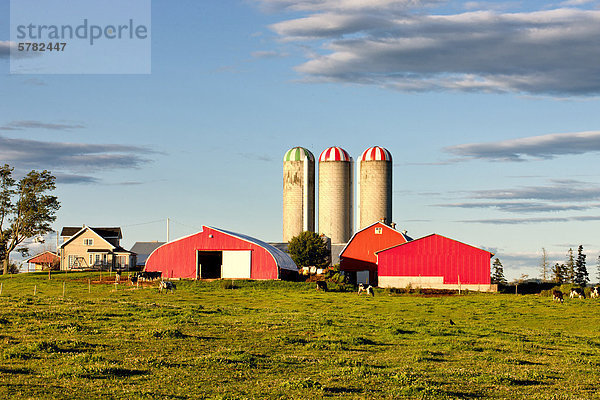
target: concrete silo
374 186
335 195
298 192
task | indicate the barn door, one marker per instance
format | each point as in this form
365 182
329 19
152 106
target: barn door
236 264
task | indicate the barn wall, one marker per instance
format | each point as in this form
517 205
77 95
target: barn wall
360 252
437 256
177 259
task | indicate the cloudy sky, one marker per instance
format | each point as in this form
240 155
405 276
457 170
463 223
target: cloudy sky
490 110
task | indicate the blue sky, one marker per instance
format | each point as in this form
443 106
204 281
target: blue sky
488 108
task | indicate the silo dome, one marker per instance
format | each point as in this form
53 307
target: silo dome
335 194
376 154
298 192
334 154
298 154
375 187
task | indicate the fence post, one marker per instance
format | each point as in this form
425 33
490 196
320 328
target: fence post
64 287
1 283
89 285
34 289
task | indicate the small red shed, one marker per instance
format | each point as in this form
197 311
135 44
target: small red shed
216 253
359 255
435 261
44 260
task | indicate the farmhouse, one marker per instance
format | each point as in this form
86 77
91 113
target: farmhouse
97 248
216 253
435 261
358 258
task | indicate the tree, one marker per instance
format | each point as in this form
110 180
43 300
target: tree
598 268
544 265
558 273
498 272
570 267
308 249
26 210
581 274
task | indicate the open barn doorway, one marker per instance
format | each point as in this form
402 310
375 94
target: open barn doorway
208 264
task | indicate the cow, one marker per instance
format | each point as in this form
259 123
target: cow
557 295
148 275
595 292
368 289
166 285
322 285
579 292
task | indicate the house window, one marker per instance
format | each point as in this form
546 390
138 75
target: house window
378 231
91 259
71 260
97 259
88 242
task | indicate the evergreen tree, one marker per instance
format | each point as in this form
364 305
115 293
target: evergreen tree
581 274
558 273
498 272
544 266
598 267
569 276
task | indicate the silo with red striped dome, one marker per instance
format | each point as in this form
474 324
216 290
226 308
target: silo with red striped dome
335 195
375 187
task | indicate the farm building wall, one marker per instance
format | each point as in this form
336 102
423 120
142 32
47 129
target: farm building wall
360 253
178 259
435 262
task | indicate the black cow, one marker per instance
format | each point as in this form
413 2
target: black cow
557 295
322 285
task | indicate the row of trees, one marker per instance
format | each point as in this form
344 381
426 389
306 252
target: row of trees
573 270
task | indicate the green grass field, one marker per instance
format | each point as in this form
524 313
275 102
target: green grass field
279 340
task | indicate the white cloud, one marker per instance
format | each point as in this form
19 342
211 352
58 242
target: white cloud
543 52
522 149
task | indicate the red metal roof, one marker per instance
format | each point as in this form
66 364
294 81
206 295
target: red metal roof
46 257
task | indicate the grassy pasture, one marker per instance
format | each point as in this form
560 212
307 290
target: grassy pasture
284 340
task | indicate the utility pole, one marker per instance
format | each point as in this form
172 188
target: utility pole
167 230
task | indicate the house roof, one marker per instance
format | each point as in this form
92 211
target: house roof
105 232
434 234
143 250
404 235
43 258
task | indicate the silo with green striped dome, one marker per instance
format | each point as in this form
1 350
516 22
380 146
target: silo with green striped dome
298 192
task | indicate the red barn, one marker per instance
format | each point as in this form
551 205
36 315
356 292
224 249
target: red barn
435 261
215 253
358 256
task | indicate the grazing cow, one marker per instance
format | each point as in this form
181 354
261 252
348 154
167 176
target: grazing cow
367 289
322 285
166 285
595 292
557 295
148 275
577 292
